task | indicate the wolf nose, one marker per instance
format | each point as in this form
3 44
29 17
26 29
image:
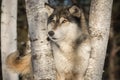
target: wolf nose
51 33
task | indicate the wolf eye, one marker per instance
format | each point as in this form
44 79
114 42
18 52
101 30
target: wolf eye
64 21
53 21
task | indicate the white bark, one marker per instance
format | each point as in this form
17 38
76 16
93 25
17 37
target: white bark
8 35
99 23
43 68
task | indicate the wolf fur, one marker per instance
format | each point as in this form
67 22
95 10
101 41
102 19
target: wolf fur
70 42
20 61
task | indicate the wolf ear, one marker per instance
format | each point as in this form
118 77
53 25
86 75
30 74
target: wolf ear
75 10
49 9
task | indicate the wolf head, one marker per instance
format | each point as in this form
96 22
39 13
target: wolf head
64 23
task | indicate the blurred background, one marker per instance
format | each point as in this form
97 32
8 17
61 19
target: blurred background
112 61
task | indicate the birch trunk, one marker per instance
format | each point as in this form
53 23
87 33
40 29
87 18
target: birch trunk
43 68
8 35
99 23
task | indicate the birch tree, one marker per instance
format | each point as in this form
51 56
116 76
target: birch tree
43 66
8 35
99 23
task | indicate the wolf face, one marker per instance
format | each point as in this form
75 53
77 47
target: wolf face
64 23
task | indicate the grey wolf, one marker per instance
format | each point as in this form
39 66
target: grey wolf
70 41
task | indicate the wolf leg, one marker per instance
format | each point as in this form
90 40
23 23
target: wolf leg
60 76
65 76
79 77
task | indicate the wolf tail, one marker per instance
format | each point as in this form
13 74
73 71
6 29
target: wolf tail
19 64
